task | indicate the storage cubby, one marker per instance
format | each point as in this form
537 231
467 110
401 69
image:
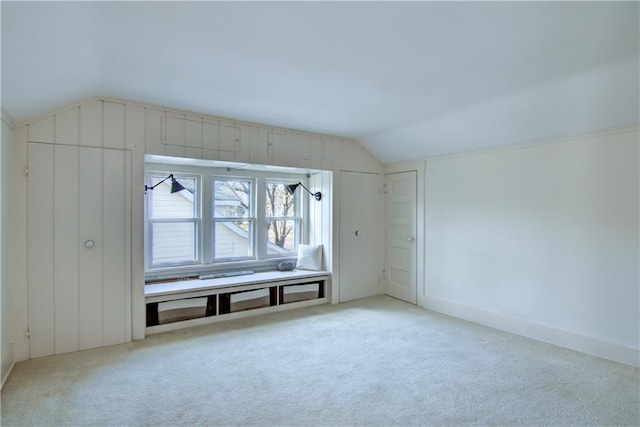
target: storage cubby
174 305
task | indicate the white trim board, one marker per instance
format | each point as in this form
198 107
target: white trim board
4 380
7 118
565 339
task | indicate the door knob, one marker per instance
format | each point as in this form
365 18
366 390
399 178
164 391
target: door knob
89 244
357 233
410 239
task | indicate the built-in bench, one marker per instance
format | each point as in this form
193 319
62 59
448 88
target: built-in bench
182 303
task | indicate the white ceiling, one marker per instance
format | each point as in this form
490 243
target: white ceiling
407 79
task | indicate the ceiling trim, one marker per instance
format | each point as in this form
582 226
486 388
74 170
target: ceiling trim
538 143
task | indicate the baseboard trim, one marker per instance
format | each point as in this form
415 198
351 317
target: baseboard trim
7 376
560 338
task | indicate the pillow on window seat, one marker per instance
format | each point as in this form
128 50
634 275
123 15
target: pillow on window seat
309 257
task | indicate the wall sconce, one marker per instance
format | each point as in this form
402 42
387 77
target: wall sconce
292 188
175 185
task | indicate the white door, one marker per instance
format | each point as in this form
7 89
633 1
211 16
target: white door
78 248
360 235
400 245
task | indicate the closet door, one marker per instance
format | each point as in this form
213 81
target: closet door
78 248
400 227
361 235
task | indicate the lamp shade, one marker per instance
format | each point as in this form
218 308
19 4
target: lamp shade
291 188
176 186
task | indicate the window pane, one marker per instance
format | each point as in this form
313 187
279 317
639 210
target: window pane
232 199
233 239
281 236
164 204
173 242
279 201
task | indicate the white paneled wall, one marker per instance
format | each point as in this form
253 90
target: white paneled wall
78 294
143 129
361 235
321 219
6 159
153 130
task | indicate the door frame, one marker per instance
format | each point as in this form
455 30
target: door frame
419 168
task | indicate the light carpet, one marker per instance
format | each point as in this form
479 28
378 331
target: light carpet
376 361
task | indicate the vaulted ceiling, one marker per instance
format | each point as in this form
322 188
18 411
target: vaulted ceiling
407 79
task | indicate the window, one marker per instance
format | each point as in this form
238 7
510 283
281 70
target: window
233 219
282 219
226 218
173 222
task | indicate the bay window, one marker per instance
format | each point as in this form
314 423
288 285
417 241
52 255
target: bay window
223 219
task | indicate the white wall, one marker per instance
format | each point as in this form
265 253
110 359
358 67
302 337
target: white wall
5 254
541 240
145 129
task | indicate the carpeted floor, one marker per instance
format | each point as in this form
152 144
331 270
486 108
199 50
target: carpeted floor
376 361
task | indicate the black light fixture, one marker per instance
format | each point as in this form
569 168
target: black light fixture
291 188
175 185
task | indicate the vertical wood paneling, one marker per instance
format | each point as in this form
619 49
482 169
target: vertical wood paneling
244 144
327 218
315 145
230 138
174 129
359 192
210 136
174 150
135 126
67 127
193 153
127 252
40 247
155 125
91 121
114 125
145 130
42 130
19 245
67 246
327 153
114 271
193 132
90 271
135 134
291 153
276 147
226 156
304 150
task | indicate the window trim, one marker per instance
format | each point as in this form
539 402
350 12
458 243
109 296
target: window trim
150 221
252 219
205 243
297 218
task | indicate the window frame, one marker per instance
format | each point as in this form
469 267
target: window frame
297 217
151 221
252 219
207 263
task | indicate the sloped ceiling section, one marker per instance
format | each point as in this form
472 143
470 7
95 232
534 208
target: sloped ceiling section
407 79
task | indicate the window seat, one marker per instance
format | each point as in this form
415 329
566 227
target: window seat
183 303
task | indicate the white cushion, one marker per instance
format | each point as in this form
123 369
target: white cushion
309 257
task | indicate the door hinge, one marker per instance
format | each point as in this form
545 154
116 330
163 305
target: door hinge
27 333
383 189
26 170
